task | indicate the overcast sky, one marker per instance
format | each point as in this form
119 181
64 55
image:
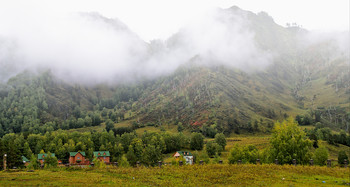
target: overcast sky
153 19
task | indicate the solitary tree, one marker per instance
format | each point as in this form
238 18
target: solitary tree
289 142
221 140
197 141
321 156
341 156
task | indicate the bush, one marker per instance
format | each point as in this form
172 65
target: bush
213 149
341 156
34 164
221 140
197 141
247 154
216 159
321 155
289 142
99 163
50 161
123 162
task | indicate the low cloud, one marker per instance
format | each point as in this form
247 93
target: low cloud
89 48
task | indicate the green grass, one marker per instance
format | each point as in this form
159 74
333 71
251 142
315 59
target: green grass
196 175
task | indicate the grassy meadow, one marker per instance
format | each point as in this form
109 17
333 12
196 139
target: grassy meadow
195 175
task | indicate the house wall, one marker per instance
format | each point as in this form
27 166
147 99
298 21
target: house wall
73 159
104 159
189 159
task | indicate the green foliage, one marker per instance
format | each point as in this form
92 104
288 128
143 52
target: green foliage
209 131
180 127
213 149
320 156
247 154
288 142
197 141
304 120
34 164
123 162
341 156
204 157
109 125
221 140
217 159
50 161
99 163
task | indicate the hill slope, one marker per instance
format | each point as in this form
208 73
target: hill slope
302 77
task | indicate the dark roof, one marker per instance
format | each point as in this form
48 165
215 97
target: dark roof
44 155
185 153
25 159
75 153
101 153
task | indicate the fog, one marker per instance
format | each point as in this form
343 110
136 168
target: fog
90 48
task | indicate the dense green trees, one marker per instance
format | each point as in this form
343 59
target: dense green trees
147 148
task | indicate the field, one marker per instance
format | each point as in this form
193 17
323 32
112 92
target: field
195 175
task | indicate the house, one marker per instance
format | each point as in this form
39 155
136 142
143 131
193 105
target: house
42 156
78 158
102 155
186 155
25 161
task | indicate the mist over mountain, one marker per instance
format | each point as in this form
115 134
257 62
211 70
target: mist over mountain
89 48
230 69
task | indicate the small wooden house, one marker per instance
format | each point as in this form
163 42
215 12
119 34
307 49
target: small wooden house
78 158
43 156
25 161
186 155
102 155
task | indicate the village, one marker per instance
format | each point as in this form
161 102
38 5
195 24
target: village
78 159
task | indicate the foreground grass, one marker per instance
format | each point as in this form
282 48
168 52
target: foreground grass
196 175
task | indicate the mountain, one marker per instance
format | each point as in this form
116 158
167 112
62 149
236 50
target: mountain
251 74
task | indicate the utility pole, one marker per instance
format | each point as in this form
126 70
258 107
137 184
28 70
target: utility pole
5 155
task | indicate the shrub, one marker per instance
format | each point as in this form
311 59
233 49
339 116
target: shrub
247 154
341 156
321 155
213 148
289 142
34 164
197 141
221 140
123 162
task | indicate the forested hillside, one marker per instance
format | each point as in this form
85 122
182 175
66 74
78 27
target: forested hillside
304 78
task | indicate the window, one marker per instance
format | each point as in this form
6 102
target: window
78 158
104 157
